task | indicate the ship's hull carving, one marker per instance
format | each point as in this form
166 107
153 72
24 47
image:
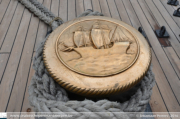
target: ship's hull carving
96 56
118 48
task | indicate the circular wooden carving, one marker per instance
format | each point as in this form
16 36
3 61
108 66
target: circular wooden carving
97 47
96 56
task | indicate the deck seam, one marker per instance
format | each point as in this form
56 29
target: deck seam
18 63
67 10
5 10
30 65
154 54
75 8
58 7
48 27
166 20
117 10
8 27
4 69
32 61
12 45
168 81
83 7
162 47
127 12
109 8
170 14
92 4
161 94
100 6
173 42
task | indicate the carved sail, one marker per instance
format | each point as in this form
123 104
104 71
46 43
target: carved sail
100 37
81 38
119 35
116 37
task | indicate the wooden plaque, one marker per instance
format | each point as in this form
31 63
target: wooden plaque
96 56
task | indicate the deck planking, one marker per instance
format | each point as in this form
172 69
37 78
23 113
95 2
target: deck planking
6 21
25 104
14 60
172 75
170 10
22 73
11 33
21 33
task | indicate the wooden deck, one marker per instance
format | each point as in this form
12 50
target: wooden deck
21 32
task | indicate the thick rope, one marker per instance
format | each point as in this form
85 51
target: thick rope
45 95
42 12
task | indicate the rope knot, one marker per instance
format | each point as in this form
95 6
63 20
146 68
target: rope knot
57 19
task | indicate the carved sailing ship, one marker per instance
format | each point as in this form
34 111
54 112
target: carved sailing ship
77 58
99 38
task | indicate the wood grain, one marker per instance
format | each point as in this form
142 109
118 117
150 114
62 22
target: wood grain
55 7
71 10
87 4
113 9
105 8
79 7
96 5
63 10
